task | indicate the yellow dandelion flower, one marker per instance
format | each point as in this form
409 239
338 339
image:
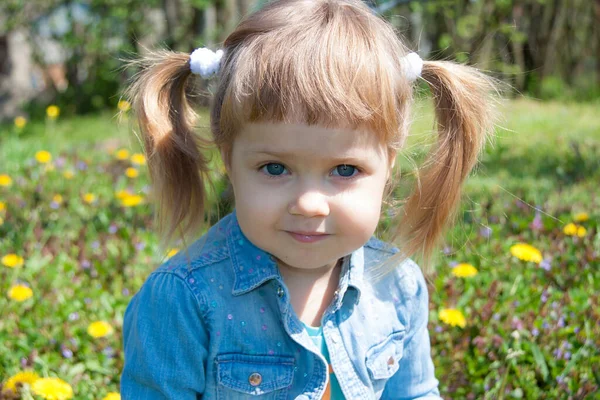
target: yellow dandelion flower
452 317
21 378
581 217
570 229
526 252
57 198
20 292
68 174
53 112
12 260
122 154
43 157
20 122
112 396
138 159
464 270
132 200
99 329
89 198
52 389
172 252
2 206
121 194
5 180
132 173
124 105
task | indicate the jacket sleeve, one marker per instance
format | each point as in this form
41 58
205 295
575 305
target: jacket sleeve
415 379
165 341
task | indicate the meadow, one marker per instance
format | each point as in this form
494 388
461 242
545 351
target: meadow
514 293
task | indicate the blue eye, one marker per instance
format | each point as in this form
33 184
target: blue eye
274 169
346 171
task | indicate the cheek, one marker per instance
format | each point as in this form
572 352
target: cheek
362 209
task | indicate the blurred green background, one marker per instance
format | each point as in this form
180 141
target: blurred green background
76 234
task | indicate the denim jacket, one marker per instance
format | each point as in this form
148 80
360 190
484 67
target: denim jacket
216 322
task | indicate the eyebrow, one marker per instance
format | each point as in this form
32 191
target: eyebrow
350 159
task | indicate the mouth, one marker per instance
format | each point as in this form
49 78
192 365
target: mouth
308 237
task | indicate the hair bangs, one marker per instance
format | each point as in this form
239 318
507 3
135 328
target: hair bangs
329 70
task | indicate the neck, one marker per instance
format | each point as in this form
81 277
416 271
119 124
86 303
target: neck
311 290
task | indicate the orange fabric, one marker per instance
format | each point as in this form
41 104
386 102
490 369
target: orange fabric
327 394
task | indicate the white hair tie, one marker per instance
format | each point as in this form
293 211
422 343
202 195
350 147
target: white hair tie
412 65
205 62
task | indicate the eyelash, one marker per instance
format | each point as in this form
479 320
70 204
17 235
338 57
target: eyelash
346 178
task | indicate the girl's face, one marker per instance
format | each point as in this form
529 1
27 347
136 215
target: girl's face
294 181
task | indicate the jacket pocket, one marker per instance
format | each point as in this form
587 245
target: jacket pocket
383 358
254 374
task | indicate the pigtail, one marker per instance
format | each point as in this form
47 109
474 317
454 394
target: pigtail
176 162
464 123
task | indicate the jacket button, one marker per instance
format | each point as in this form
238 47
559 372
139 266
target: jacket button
255 379
280 291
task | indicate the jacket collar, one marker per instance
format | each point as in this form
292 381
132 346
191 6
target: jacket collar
253 266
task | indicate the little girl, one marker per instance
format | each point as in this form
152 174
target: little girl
290 296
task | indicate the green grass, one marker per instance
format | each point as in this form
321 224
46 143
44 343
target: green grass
531 332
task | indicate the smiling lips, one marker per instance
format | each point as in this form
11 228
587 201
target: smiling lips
308 237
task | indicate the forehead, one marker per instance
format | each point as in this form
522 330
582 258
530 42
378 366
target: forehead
299 140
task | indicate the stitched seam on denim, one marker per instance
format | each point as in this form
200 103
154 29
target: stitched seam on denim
376 350
212 257
347 365
198 296
224 375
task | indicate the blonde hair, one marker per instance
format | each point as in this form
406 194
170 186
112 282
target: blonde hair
331 62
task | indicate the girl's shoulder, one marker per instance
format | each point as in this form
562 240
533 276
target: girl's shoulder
201 257
390 270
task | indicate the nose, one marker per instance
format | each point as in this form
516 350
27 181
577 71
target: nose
310 203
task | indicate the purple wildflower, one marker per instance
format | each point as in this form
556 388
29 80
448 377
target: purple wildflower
545 325
85 264
485 231
536 224
109 352
125 292
67 353
74 316
95 244
81 165
112 229
60 162
54 205
517 323
545 264
535 332
561 322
